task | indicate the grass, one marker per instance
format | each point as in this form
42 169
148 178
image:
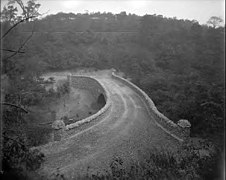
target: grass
160 164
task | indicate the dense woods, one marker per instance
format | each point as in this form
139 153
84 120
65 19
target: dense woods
178 63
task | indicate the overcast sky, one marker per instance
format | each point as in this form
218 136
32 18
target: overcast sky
200 10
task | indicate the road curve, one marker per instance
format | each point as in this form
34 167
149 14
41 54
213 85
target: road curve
127 131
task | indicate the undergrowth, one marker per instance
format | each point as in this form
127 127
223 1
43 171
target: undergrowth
186 164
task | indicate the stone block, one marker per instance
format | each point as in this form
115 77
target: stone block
185 126
58 124
184 123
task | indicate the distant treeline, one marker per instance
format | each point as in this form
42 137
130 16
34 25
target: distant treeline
101 22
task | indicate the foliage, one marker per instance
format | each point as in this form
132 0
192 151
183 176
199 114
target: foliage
38 135
215 21
189 84
178 63
23 90
161 164
18 156
10 11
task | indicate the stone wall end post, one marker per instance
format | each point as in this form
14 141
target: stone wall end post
185 127
58 130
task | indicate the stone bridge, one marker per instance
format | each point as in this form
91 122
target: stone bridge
129 125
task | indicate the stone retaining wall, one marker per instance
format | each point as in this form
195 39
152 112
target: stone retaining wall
87 83
176 131
96 87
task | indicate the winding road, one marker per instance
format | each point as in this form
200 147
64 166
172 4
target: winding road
127 131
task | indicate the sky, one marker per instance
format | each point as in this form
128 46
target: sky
200 10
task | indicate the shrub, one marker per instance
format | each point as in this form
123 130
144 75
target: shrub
38 135
18 157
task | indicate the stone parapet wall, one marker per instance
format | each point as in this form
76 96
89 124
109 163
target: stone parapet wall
93 85
162 121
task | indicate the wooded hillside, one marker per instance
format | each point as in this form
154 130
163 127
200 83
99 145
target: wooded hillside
178 63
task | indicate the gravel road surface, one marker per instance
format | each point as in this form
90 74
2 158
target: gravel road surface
127 131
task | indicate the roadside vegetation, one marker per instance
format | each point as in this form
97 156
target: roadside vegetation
178 63
185 164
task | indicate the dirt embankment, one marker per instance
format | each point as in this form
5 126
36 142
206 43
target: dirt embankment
76 105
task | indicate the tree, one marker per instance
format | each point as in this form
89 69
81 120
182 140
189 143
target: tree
10 20
30 11
215 21
9 14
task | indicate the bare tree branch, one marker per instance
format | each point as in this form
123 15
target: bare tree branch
14 105
9 50
23 8
40 15
16 52
212 103
9 138
10 29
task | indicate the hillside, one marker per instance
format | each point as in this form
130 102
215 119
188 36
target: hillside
178 63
